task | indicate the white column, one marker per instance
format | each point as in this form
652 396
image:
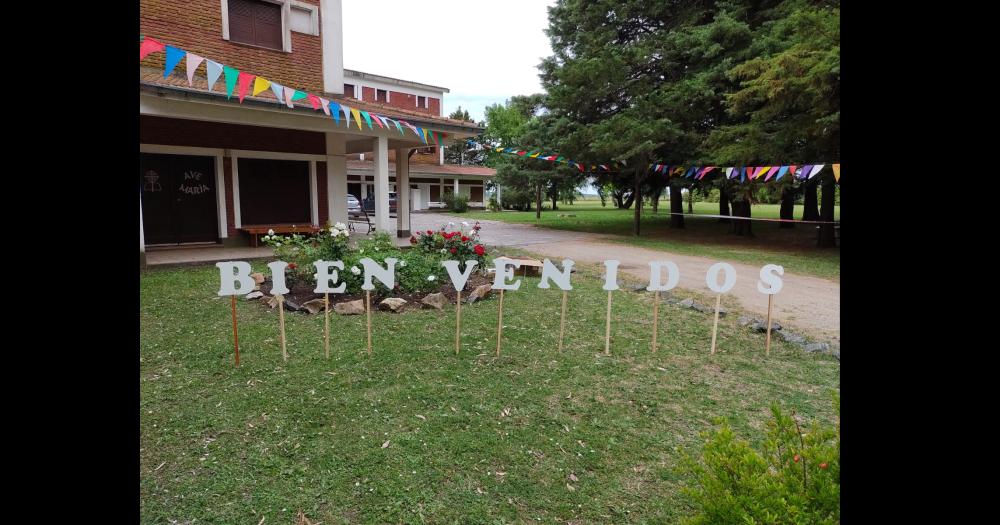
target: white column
499 202
364 188
456 187
380 145
336 177
234 161
332 35
220 185
313 194
402 193
142 235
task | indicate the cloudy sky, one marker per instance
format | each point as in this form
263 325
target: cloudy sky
483 51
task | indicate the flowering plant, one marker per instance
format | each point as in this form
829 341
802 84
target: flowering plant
333 242
462 244
298 250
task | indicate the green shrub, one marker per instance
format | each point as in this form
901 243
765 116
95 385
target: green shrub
494 205
457 203
795 479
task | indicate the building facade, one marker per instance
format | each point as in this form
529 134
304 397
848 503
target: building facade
212 166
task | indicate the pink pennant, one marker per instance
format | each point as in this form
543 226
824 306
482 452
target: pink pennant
243 81
148 46
326 105
193 61
288 98
314 100
771 172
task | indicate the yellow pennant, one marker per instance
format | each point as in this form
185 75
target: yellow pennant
357 117
836 172
762 171
260 84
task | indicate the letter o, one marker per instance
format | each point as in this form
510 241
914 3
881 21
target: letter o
712 277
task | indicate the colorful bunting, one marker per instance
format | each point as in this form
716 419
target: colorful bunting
347 116
298 95
260 84
288 97
836 172
278 90
335 112
244 80
816 169
148 46
193 61
174 57
231 76
326 105
313 101
368 119
770 173
781 172
357 117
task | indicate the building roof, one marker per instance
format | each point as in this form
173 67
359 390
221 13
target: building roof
446 170
152 78
390 80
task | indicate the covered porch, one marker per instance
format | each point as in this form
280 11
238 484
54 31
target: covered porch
210 168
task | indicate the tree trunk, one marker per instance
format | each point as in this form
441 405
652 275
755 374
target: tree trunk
637 191
691 200
827 235
656 199
723 204
618 197
676 208
555 196
811 212
538 202
742 209
787 207
628 201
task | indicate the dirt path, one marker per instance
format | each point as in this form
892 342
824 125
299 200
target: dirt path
806 304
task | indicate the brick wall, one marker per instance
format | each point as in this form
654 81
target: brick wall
196 26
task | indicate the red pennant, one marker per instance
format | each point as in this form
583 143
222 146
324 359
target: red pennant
243 80
314 100
148 46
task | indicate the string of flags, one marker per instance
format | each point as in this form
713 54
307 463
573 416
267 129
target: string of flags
241 83
743 173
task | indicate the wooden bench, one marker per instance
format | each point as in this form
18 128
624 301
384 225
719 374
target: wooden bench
256 230
362 218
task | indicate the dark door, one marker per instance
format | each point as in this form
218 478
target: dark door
179 203
274 192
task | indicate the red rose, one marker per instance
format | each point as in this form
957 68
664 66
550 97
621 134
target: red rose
822 465
429 232
292 266
453 250
796 458
413 240
480 251
465 239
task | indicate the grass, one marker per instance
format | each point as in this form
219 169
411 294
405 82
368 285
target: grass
795 248
221 444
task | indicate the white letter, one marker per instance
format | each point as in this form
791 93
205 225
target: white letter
611 275
712 277
549 271
458 279
232 273
325 276
278 277
767 275
503 273
387 276
673 276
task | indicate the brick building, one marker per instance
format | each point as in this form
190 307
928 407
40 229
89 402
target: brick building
211 167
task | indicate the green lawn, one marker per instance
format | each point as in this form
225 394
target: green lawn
795 248
221 444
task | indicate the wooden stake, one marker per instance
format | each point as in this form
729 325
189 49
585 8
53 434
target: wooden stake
656 317
236 336
562 320
500 323
458 322
767 345
368 312
281 321
715 326
607 328
326 324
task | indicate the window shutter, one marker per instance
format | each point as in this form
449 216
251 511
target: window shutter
241 21
267 25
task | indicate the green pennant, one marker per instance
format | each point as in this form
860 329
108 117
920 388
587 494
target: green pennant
368 118
560 158
299 95
231 75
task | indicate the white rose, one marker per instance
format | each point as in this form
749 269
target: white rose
355 270
431 277
270 232
341 226
402 264
443 250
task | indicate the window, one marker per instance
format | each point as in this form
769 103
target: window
349 90
255 22
421 102
303 18
381 95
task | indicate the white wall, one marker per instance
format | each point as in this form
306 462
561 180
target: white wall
332 32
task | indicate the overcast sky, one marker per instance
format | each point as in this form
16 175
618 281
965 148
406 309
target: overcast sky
483 51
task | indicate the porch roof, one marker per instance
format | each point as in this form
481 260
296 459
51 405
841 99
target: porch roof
363 167
153 80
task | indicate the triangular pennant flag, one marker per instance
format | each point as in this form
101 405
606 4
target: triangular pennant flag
279 91
288 97
357 117
368 119
781 172
792 169
314 100
326 105
691 171
378 120
347 115
729 173
193 61
761 172
743 173
705 172
260 84
174 57
770 173
836 172
816 169
244 82
535 154
804 174
148 46
231 76
214 70
423 135
751 171
400 128
298 95
335 112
